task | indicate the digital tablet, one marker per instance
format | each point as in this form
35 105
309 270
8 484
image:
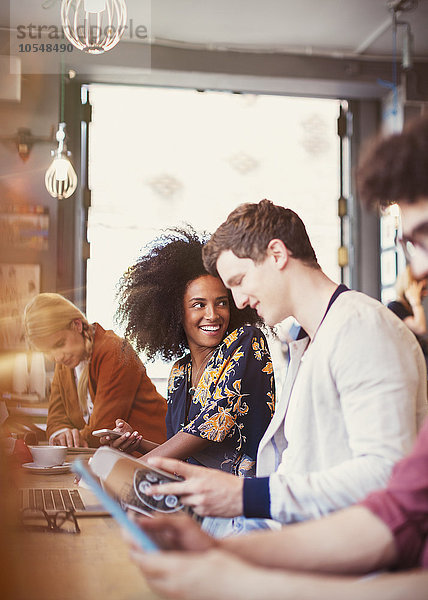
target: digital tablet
116 511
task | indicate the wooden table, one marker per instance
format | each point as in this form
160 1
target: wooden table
92 565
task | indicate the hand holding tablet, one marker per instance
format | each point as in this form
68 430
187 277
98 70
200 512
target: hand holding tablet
138 535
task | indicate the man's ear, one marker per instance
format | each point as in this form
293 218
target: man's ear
279 253
77 325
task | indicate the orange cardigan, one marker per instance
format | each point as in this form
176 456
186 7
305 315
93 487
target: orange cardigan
119 388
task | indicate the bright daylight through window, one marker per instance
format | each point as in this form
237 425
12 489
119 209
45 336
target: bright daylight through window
160 157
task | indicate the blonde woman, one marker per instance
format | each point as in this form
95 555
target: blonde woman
98 376
408 305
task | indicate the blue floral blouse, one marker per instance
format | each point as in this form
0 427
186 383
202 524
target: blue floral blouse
233 402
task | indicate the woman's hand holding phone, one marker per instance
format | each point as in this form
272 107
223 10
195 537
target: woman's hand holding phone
129 440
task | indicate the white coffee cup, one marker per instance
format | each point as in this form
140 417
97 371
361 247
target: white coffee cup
48 456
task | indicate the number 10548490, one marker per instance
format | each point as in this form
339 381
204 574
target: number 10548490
42 47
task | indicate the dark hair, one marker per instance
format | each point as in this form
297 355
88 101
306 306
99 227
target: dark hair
395 168
248 230
151 294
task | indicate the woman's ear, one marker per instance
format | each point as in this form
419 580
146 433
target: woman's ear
77 325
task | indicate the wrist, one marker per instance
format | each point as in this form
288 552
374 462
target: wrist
239 497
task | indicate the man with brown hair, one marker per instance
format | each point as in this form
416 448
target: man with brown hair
355 392
388 530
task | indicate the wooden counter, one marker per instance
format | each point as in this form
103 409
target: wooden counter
92 565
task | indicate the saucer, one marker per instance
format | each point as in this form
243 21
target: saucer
56 470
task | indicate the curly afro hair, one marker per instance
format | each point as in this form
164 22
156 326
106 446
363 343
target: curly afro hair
151 294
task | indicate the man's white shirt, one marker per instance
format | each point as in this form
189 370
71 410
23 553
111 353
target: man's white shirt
352 403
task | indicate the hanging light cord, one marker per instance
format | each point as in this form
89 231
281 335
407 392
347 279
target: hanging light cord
62 94
394 65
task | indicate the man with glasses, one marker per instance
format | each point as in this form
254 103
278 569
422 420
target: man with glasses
395 171
415 247
388 530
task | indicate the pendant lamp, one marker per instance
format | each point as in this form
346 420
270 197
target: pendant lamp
93 26
61 178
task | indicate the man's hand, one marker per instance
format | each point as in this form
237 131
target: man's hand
176 532
71 438
219 574
207 576
209 492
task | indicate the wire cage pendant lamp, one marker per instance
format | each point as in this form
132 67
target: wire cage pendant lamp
61 178
94 26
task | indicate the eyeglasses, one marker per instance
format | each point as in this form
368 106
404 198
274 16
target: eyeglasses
61 521
412 246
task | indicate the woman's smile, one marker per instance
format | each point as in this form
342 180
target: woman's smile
210 328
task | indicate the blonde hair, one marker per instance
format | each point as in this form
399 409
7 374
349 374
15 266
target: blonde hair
46 314
404 279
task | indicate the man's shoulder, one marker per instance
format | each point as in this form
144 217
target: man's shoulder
357 305
358 298
360 315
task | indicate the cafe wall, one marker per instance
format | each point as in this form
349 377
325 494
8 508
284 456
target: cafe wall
28 215
22 187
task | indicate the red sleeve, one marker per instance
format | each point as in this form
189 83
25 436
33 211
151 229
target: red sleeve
403 505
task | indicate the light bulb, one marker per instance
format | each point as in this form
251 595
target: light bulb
61 178
93 26
61 168
94 6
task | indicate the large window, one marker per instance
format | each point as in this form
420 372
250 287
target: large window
160 157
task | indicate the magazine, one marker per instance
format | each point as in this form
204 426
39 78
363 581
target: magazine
127 478
138 535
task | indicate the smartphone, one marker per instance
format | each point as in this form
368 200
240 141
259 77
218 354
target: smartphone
102 432
138 535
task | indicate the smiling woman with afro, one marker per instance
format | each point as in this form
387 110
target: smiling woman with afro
152 291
